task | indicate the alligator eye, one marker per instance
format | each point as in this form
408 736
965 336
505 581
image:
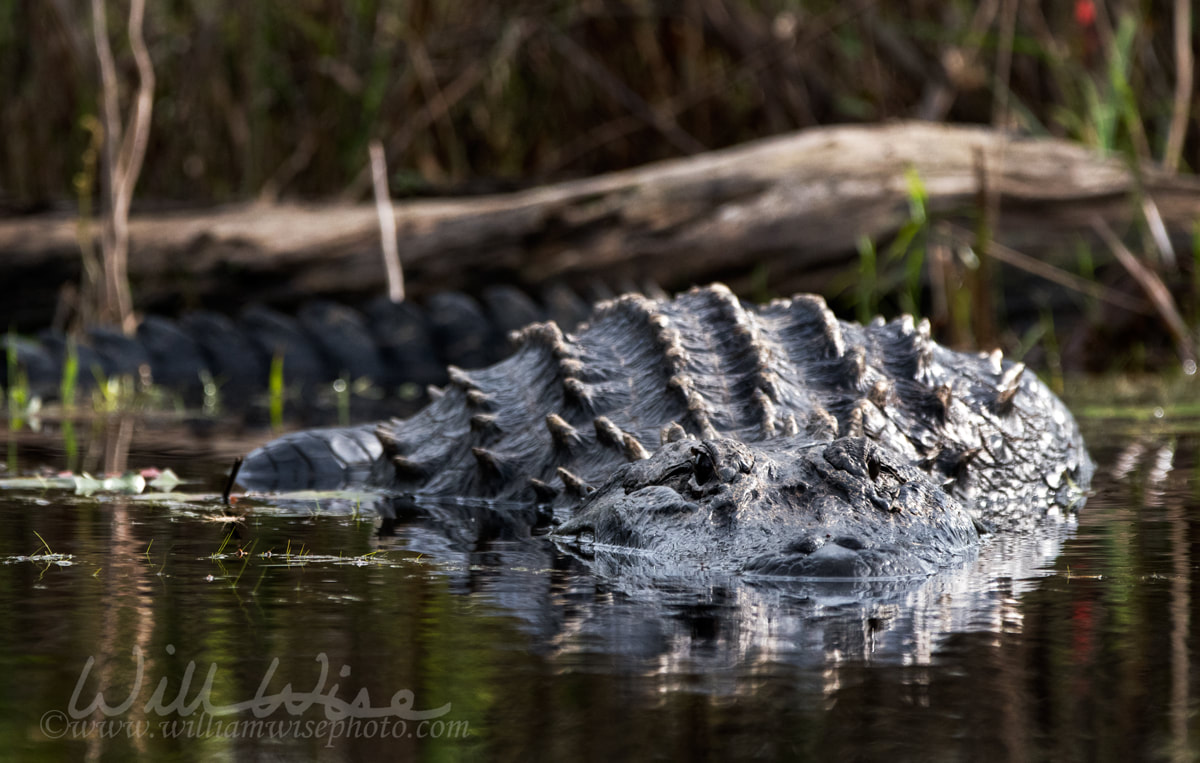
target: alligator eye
873 466
703 467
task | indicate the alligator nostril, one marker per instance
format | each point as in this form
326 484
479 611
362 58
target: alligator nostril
846 541
805 544
797 490
873 467
703 467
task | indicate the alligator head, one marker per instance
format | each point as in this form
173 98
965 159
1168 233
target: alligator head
787 507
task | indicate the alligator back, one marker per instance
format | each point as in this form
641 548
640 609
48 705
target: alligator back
565 411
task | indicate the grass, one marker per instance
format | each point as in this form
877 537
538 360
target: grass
1167 400
909 244
275 391
70 376
899 272
508 92
1050 347
867 288
276 99
283 98
45 545
70 446
17 394
114 394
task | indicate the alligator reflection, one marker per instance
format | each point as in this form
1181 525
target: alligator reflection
616 604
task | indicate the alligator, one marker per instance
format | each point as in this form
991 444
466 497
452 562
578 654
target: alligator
701 433
400 347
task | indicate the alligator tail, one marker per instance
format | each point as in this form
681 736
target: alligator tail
313 459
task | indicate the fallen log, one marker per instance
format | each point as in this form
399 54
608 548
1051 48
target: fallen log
791 207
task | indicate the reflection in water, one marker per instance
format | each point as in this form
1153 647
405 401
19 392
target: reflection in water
1156 494
706 623
1180 628
1069 644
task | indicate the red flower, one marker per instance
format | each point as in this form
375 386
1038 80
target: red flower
1085 13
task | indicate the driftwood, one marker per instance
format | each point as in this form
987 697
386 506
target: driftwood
791 207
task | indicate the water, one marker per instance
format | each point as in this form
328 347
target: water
462 637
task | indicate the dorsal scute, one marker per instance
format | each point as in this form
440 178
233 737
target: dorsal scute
565 436
607 433
612 436
673 357
742 332
854 368
547 335
907 348
767 408
880 393
626 304
579 393
494 467
479 400
484 424
386 432
409 469
573 484
923 346
747 331
549 338
1006 388
461 378
672 432
812 310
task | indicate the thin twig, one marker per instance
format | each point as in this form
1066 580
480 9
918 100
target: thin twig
1158 231
711 86
1000 120
1183 85
1154 288
1047 271
988 203
434 96
1008 24
133 151
123 164
587 64
233 473
111 121
292 166
464 83
387 223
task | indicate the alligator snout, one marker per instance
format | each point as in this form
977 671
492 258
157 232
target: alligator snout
842 557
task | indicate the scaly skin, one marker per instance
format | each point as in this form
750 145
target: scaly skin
789 506
774 440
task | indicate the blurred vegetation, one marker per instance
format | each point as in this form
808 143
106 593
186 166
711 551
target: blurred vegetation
281 97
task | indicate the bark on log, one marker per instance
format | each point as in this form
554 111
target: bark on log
794 205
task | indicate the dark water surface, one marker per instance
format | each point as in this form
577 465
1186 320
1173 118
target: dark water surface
464 638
